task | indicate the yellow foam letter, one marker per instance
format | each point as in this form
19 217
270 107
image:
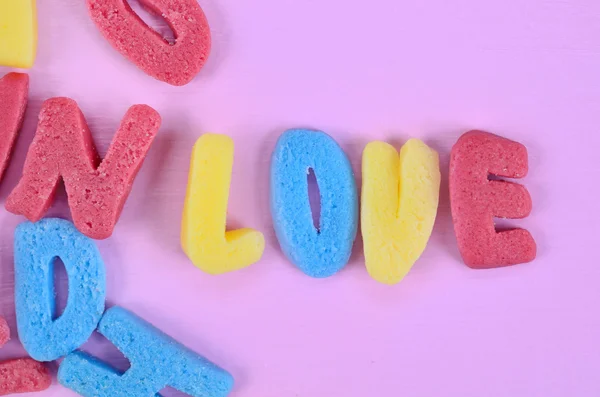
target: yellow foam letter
18 33
203 235
399 201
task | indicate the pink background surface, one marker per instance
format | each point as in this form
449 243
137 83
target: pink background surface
384 69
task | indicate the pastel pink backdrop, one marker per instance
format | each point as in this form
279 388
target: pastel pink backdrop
383 69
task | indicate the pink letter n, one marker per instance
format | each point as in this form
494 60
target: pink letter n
63 148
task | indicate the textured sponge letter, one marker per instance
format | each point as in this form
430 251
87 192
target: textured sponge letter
476 200
176 63
400 197
14 90
18 33
37 245
63 149
319 249
21 375
203 235
157 361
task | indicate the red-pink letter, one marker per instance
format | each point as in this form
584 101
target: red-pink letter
21 375
177 63
14 88
476 200
63 147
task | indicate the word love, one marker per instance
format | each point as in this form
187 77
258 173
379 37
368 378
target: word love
400 192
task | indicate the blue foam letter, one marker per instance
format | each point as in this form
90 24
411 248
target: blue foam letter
322 252
37 245
157 361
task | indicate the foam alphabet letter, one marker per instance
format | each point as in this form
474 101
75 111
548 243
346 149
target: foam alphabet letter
63 147
177 63
476 200
203 235
21 375
14 88
37 245
157 361
322 251
18 33
400 197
